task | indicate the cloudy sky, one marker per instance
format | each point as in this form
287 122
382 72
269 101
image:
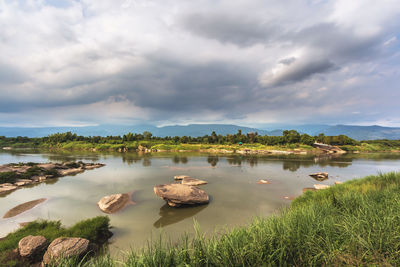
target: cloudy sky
247 62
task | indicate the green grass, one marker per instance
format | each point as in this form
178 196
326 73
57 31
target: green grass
353 224
95 230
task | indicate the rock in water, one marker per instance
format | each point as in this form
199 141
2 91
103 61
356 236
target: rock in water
113 203
32 246
192 181
179 194
65 247
181 177
321 186
320 176
263 182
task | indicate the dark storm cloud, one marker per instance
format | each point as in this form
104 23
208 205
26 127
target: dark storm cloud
174 87
300 71
240 30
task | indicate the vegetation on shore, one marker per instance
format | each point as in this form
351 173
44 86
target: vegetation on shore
96 230
232 142
353 224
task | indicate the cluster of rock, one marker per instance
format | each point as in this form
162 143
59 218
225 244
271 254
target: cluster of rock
184 193
41 173
319 176
34 249
271 151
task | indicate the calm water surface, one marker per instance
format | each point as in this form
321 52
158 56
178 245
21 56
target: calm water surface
235 195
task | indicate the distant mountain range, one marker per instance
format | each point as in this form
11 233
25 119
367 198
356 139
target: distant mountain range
356 132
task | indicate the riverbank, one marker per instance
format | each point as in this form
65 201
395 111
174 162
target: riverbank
355 223
246 148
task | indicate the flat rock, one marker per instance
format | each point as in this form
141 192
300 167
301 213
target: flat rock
6 189
32 246
65 247
320 176
321 186
192 181
179 194
113 203
263 182
23 207
181 177
70 171
22 182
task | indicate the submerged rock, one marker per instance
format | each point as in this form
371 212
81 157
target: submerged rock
65 247
113 203
320 176
23 207
179 194
32 246
192 181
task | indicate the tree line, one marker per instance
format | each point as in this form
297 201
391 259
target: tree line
288 137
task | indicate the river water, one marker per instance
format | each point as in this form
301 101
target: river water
235 196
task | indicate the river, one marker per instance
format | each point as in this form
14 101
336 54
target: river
235 196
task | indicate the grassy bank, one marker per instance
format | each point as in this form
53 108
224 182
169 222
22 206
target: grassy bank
96 230
353 224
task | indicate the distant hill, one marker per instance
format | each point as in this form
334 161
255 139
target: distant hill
364 132
356 132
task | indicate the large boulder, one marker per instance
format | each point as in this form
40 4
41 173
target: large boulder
65 247
192 181
113 203
32 246
179 194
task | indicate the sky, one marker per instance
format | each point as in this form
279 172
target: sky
164 62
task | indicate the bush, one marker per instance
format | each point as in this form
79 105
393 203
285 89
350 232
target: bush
8 177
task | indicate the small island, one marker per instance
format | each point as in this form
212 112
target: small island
17 175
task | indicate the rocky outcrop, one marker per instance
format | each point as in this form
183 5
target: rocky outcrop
65 247
113 203
329 149
23 207
18 175
179 194
32 247
192 181
320 176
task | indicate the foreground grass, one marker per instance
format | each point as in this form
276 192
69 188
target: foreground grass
96 230
353 224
